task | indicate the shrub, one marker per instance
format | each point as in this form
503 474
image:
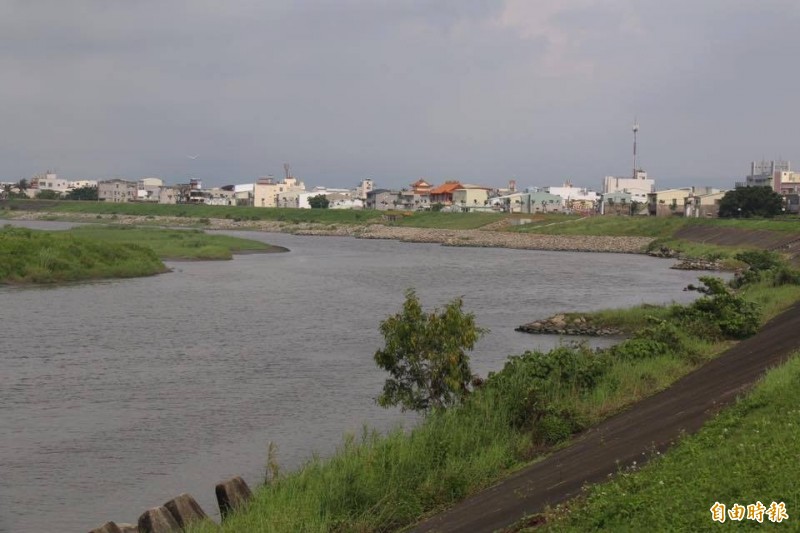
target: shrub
720 314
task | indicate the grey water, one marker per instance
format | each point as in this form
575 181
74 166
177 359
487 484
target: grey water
116 396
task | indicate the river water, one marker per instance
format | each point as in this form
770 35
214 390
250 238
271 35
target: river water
116 396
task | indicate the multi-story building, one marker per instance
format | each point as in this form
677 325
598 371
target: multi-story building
149 189
443 194
786 182
639 186
575 198
50 182
762 173
266 191
470 197
382 199
363 189
117 190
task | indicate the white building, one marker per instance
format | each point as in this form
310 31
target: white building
364 188
79 184
638 187
149 189
575 197
50 182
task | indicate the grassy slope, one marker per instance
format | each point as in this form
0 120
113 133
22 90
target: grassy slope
658 227
747 454
450 220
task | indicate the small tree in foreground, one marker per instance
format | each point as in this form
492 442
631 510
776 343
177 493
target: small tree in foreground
425 354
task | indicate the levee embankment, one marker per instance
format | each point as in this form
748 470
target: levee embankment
779 241
653 424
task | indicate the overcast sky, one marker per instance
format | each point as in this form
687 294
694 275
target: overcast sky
394 90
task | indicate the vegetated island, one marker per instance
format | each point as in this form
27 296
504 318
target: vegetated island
102 252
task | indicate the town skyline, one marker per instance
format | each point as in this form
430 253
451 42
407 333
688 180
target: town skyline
472 90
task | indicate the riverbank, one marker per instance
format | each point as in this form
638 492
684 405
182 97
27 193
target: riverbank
534 405
447 237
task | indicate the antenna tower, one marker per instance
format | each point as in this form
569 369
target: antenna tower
286 169
635 131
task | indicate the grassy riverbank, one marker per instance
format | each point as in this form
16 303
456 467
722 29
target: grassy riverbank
747 454
537 402
98 252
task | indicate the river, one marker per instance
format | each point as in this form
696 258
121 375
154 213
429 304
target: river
116 396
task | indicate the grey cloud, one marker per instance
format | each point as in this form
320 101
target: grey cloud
393 90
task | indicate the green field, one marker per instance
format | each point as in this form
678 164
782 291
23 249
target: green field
747 454
95 252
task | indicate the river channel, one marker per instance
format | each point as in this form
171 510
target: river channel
116 396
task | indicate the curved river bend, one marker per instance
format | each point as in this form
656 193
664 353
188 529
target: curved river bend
116 396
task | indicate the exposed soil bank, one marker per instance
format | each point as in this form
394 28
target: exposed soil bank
650 425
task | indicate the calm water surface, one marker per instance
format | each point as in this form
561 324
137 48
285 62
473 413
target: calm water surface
116 396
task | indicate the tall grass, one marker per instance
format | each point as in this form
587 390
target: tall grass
173 244
94 252
28 256
747 454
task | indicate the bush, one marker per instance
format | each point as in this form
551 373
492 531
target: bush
721 314
759 259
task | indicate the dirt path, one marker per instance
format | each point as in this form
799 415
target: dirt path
652 424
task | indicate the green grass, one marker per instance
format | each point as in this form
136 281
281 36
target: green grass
610 225
173 244
96 252
657 227
449 220
537 402
746 454
28 256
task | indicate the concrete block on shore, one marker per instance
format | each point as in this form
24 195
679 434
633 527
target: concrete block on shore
158 520
185 510
231 495
108 527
